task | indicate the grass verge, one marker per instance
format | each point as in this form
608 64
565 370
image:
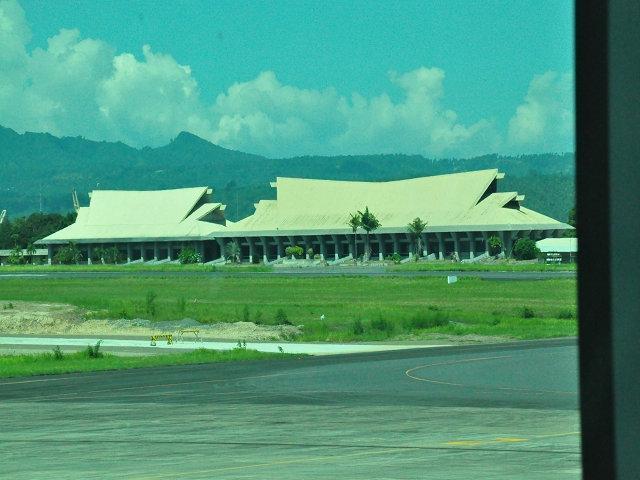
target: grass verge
58 362
355 308
438 265
510 266
135 267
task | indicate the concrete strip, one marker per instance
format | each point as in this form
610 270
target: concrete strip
306 348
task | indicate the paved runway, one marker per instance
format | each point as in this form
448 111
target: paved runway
485 412
297 272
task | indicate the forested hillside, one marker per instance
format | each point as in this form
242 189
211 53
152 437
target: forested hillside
39 171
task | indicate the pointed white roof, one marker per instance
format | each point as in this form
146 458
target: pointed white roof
454 202
118 215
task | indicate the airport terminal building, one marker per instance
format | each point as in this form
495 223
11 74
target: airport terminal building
462 211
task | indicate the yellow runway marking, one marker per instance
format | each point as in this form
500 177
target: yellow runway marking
477 442
465 443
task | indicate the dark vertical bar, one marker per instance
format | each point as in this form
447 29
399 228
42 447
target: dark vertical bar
594 274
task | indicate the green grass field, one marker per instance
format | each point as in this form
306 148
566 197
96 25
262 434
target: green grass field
355 307
439 265
511 266
49 363
135 267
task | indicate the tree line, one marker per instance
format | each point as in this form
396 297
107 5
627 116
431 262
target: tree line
22 232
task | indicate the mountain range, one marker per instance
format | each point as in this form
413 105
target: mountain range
38 172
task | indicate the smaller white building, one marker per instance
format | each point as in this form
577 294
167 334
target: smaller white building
563 249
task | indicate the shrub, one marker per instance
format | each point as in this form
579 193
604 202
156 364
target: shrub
310 252
94 352
68 255
109 255
8 306
495 245
528 312
57 353
566 314
422 320
151 303
294 251
357 327
395 258
189 255
258 318
281 317
246 315
383 325
16 257
525 249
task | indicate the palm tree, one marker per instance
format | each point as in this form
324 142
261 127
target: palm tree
415 229
232 252
369 223
355 221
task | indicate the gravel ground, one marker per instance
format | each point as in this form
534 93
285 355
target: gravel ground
30 318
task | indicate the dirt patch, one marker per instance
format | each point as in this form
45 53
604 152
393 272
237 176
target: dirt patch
31 318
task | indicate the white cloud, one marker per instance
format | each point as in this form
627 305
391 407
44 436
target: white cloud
265 113
545 121
149 101
79 86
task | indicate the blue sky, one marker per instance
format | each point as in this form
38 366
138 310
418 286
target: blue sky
447 78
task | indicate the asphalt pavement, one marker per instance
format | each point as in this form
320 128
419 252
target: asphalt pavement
502 411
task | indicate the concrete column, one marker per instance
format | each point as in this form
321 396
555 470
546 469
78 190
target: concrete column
506 243
142 251
485 237
411 243
323 246
89 262
472 242
336 243
381 249
156 251
265 250
252 250
279 242
169 252
425 244
49 254
396 243
221 246
456 243
307 246
440 245
129 252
